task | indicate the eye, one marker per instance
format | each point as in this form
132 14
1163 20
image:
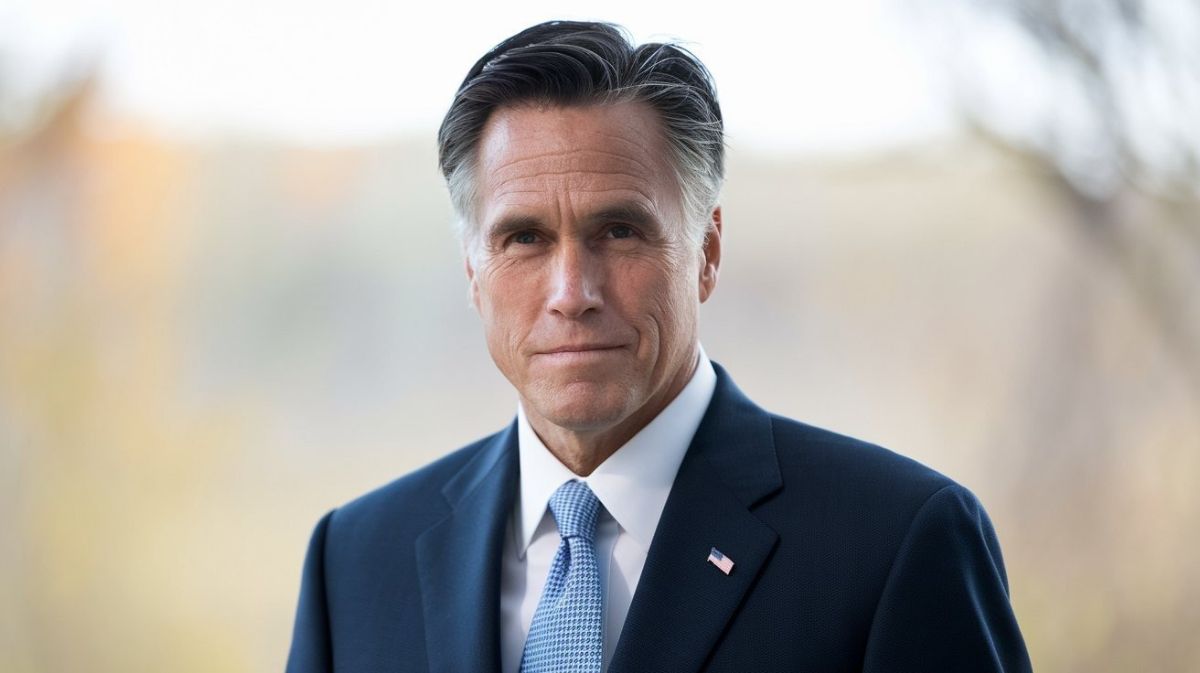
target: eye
621 231
525 238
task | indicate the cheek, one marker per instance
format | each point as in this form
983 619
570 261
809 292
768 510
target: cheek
683 299
663 297
508 304
493 276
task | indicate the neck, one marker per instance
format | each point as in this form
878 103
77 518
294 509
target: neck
582 451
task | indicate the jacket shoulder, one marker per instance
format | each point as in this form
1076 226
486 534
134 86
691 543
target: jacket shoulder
907 554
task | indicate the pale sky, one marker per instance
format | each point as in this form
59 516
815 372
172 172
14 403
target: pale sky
809 76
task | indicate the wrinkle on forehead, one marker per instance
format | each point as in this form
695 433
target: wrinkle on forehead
574 165
574 180
567 157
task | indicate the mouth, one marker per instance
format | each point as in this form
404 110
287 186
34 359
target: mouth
581 349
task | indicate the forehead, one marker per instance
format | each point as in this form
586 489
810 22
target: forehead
528 153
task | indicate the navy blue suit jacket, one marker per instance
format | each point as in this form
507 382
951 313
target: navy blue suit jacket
848 557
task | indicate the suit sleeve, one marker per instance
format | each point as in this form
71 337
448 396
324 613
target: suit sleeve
312 650
945 606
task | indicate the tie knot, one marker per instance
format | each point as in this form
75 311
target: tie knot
575 508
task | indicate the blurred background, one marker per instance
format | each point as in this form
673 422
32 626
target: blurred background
230 296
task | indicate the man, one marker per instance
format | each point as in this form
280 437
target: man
640 514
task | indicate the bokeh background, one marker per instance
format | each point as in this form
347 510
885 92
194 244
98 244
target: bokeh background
230 297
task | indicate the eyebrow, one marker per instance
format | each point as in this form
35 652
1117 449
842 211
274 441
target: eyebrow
629 212
510 225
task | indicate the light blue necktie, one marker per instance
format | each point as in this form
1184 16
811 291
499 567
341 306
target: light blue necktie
566 635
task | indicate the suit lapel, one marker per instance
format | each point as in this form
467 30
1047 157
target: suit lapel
459 562
683 603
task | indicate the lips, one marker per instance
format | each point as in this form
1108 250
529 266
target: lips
580 348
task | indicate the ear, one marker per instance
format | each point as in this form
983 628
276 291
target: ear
472 280
712 256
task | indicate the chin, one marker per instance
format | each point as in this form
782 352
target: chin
583 406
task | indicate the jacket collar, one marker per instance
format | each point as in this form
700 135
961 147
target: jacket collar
458 559
683 603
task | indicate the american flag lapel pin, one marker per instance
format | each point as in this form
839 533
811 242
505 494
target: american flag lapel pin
721 561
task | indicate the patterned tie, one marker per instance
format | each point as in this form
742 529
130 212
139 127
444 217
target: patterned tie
566 635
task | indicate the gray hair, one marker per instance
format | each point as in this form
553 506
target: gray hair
587 63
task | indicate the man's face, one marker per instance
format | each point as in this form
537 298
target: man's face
587 285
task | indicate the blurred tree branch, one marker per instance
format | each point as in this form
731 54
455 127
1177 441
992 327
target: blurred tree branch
1117 133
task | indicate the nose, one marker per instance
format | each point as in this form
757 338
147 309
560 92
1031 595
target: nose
577 281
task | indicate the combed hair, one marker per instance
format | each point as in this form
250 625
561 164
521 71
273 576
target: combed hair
586 63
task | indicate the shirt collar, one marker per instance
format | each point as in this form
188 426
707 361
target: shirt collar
634 482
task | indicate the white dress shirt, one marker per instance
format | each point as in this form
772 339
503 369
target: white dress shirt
632 486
